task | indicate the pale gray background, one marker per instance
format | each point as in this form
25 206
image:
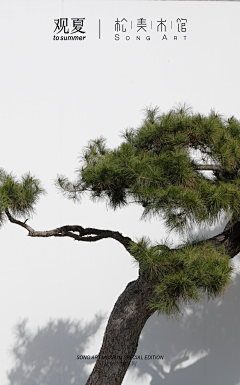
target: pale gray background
56 96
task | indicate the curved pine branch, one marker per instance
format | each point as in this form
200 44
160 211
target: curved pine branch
229 237
84 234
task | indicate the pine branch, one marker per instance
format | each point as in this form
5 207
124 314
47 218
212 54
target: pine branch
84 234
210 167
229 237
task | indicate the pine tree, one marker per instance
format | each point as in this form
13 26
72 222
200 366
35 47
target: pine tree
180 166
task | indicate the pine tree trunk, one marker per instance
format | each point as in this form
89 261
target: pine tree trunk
120 341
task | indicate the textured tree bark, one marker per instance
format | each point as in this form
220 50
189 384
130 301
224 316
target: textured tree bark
229 238
121 337
130 314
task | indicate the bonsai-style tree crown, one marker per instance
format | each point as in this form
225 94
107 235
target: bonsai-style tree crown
184 168
180 166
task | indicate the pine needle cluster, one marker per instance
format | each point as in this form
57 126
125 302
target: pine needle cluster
19 197
182 276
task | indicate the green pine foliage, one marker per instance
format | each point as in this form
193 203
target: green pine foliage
183 275
19 197
155 167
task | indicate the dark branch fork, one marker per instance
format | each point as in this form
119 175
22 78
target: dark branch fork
84 234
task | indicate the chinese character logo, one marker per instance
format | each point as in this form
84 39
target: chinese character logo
69 32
